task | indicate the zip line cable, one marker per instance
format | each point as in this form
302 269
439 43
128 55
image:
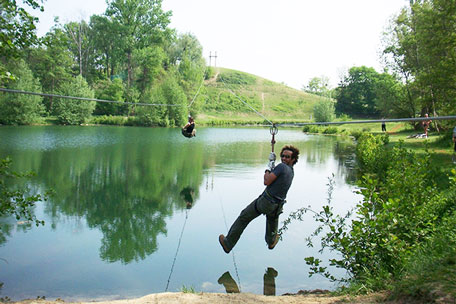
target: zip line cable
88 99
197 92
369 121
253 109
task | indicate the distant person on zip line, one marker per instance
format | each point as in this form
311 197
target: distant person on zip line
189 129
270 202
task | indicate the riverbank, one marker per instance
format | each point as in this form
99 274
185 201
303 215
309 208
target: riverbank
222 298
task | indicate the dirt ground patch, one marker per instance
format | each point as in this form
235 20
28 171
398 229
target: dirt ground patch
220 298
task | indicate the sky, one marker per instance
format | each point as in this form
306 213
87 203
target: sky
286 41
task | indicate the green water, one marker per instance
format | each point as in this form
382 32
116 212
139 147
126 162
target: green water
139 211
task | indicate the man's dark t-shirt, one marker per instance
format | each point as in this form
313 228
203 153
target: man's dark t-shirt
279 188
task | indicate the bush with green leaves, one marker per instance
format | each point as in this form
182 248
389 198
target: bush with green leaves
401 210
74 111
236 77
16 201
324 110
21 109
370 152
112 91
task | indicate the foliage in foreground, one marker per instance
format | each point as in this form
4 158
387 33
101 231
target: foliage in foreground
403 219
16 202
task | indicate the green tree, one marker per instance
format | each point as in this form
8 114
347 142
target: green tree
149 65
365 92
17 202
324 110
420 45
106 56
71 111
318 86
21 109
78 44
18 30
52 63
174 94
109 90
140 23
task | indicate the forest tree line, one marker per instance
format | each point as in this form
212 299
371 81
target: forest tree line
419 55
127 54
130 54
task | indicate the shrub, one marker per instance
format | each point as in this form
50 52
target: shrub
235 77
72 111
330 130
324 111
397 218
21 109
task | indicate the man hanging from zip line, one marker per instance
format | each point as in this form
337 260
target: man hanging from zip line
189 129
270 203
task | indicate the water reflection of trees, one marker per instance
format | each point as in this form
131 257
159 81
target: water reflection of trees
125 191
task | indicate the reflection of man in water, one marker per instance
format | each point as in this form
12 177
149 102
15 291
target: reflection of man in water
268 282
187 194
228 282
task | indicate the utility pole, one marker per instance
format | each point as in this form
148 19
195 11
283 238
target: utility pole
210 58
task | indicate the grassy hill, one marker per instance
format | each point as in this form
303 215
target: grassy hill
277 102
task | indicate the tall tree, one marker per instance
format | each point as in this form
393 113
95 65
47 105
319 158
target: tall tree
140 23
318 86
20 109
52 63
73 111
78 43
103 36
421 45
356 92
18 29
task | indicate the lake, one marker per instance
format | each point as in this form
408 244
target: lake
139 210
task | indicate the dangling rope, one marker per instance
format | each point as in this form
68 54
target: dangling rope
232 252
177 250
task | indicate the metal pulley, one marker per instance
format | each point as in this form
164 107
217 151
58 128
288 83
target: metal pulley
272 157
273 130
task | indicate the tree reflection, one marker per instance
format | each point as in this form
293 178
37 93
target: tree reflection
125 191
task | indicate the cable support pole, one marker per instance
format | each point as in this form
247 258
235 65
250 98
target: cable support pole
370 121
87 99
253 109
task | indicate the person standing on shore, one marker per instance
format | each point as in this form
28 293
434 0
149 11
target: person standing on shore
383 125
269 203
426 124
